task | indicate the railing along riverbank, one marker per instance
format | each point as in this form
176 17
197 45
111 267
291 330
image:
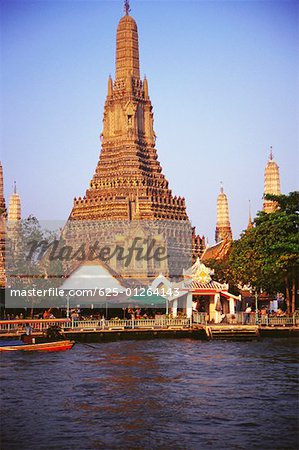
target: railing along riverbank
130 323
40 325
242 318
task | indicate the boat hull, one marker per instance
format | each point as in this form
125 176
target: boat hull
58 346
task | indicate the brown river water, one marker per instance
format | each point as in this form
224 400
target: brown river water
153 394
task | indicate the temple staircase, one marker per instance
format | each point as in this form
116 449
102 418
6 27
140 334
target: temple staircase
237 332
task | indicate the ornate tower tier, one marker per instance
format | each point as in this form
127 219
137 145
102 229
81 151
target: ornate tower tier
223 228
271 183
128 182
127 50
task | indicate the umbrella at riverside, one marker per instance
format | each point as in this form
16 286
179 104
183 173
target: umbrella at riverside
154 300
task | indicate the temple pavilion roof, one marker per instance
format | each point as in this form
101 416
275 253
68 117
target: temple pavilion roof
217 251
211 285
198 276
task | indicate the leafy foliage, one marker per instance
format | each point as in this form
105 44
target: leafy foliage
224 274
266 256
25 270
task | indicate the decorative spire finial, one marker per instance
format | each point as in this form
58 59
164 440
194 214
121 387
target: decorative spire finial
250 224
250 220
127 8
221 187
271 153
14 187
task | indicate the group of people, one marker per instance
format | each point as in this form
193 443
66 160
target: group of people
128 313
263 312
48 314
14 316
136 314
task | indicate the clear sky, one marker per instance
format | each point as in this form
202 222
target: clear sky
223 80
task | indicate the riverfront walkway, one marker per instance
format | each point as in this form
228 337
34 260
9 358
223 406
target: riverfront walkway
105 330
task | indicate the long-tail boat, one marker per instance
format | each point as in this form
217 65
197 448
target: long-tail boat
57 346
54 341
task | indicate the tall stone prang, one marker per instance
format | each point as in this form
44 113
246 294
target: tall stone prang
128 182
129 195
14 209
271 183
223 228
3 215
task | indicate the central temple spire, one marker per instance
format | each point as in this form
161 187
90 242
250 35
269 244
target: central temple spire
128 182
127 50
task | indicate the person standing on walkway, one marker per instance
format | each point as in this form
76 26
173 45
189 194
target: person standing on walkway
247 314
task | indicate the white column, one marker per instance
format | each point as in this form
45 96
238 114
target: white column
231 305
189 305
175 308
217 313
212 309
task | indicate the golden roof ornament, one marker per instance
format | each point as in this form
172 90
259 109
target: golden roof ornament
203 274
199 272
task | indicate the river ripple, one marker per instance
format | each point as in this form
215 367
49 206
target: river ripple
159 394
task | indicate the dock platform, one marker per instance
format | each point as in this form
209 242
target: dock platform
113 330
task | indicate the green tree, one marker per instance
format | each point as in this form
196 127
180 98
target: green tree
266 256
224 273
25 270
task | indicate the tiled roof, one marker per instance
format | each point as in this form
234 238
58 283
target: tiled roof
217 251
212 285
